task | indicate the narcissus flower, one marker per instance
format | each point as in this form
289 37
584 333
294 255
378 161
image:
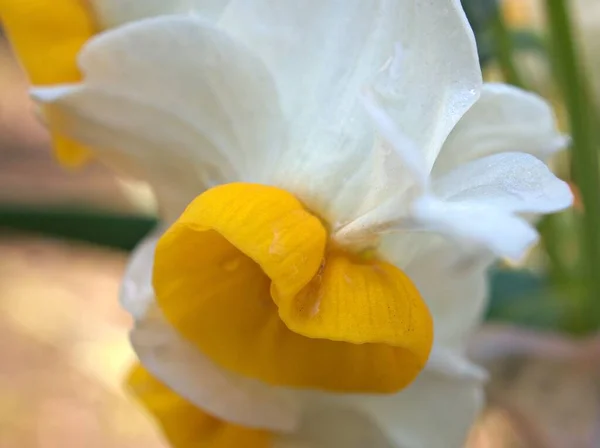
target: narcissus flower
47 35
334 180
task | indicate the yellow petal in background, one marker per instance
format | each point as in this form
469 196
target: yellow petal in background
68 152
186 426
335 321
47 36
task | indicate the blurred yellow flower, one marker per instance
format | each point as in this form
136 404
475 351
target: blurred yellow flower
47 36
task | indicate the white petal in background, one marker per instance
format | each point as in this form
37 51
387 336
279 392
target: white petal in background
504 119
176 97
112 13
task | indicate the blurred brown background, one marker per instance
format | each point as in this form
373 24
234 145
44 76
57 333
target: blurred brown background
63 337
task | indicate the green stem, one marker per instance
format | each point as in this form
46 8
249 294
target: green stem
550 230
584 152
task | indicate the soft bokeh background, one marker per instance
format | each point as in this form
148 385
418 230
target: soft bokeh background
63 337
65 237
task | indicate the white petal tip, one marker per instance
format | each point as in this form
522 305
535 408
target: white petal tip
48 95
562 196
561 142
445 362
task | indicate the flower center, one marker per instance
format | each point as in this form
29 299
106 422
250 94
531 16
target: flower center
247 275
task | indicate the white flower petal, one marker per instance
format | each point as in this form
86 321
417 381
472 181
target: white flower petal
176 176
397 144
178 98
327 426
457 294
112 13
136 294
477 224
473 202
192 375
477 202
322 54
504 119
437 410
396 164
515 182
417 417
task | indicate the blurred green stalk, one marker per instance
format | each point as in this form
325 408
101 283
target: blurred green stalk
584 151
505 51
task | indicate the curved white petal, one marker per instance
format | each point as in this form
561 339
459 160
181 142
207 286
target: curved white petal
515 182
474 201
478 202
176 97
323 53
175 172
192 375
437 410
504 119
112 13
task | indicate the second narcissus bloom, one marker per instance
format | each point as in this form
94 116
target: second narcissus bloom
47 35
334 180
